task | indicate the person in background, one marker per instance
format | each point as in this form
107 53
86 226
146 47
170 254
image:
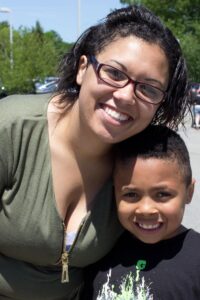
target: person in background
197 109
156 257
194 93
57 213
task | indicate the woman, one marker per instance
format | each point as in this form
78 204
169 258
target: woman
56 209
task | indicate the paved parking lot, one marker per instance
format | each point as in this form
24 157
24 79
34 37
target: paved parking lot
191 137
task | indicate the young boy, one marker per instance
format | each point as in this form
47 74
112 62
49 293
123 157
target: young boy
156 258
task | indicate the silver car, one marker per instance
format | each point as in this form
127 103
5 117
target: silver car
48 87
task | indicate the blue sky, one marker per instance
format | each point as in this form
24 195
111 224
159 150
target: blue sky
58 15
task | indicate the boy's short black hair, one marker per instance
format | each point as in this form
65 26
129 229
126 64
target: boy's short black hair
159 142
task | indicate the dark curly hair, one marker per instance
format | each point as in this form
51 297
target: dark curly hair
138 21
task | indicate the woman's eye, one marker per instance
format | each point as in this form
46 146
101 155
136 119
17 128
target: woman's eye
115 74
148 90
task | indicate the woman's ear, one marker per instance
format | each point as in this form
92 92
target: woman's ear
83 63
190 191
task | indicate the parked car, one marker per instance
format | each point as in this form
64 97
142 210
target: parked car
3 92
50 79
49 87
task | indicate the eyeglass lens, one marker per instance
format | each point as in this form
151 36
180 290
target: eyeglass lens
117 78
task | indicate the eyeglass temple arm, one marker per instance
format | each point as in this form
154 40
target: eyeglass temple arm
93 60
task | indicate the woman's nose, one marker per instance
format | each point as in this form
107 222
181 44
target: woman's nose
126 94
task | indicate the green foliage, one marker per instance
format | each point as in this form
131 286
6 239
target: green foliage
182 17
36 54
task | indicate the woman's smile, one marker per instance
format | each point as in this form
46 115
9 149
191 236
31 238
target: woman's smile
115 115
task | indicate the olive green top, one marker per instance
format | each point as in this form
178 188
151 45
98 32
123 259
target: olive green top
31 229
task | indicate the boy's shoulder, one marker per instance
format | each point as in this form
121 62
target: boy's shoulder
128 248
193 236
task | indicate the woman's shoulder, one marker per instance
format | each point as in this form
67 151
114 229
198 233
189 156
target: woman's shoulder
14 106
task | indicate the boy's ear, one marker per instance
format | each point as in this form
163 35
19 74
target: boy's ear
190 191
83 63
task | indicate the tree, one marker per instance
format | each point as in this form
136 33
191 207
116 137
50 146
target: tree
4 52
36 55
182 17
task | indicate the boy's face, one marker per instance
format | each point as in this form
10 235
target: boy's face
151 195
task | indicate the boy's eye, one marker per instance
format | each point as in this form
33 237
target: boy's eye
131 196
163 196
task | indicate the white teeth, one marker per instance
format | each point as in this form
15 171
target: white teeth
116 115
145 226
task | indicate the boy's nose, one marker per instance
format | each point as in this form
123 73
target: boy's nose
146 207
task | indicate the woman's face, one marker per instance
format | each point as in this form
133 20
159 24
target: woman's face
114 114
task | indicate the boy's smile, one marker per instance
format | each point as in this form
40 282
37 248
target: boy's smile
151 195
